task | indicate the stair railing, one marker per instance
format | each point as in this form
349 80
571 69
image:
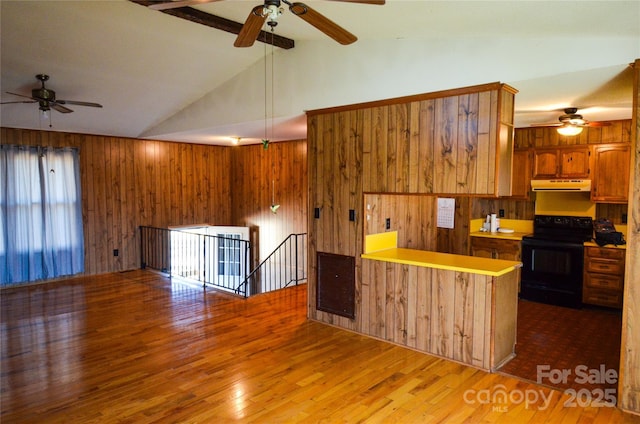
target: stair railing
212 260
285 266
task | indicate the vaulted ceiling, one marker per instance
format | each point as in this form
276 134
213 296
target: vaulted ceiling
162 77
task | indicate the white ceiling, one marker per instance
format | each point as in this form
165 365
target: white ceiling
165 78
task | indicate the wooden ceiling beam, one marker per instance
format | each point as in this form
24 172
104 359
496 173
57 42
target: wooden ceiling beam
217 22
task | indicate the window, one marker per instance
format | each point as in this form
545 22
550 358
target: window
229 254
41 232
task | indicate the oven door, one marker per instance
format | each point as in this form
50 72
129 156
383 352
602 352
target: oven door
552 272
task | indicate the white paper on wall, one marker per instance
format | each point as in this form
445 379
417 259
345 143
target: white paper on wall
446 212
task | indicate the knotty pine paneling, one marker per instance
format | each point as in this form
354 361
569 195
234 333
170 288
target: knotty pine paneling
414 217
629 388
258 177
441 145
128 182
442 312
335 142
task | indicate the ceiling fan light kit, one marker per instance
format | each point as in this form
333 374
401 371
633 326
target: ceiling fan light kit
569 130
571 123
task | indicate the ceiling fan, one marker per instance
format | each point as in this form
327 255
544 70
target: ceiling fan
571 123
571 117
46 98
270 10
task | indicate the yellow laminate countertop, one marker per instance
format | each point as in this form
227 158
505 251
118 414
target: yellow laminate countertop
607 246
503 236
448 261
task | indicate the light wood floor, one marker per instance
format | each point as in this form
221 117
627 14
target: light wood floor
136 348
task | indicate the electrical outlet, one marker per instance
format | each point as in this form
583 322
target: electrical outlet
388 223
116 252
501 213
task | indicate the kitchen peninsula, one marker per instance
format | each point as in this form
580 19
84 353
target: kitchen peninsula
458 307
380 166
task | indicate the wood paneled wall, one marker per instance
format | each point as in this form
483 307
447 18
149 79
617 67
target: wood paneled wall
629 388
258 178
414 217
441 145
130 182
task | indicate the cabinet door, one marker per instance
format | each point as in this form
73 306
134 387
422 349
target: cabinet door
483 252
574 163
545 163
521 178
611 174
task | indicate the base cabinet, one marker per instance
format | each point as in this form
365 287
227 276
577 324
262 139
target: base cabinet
603 282
494 248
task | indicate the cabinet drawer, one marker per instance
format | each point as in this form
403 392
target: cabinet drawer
607 266
495 243
603 281
602 297
606 253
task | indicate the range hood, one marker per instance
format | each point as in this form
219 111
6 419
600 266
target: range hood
561 185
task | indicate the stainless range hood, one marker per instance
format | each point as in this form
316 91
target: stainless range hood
561 185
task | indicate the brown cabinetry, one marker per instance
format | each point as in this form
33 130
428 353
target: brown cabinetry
521 178
611 173
495 248
561 162
603 276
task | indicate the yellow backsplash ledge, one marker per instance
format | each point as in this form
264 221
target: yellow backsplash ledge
380 241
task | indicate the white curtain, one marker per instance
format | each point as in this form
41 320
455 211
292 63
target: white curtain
41 224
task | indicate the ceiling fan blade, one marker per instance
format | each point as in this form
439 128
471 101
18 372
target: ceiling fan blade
176 4
22 95
251 28
74 102
19 101
549 124
323 23
59 107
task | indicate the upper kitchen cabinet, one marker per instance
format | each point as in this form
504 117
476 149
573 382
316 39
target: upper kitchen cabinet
561 162
610 183
521 178
451 142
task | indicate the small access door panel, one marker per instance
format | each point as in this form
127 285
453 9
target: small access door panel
336 284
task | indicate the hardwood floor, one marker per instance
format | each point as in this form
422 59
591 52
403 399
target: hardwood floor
135 347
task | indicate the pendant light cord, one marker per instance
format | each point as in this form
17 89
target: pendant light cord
272 80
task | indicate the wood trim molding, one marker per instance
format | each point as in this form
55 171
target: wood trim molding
415 98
